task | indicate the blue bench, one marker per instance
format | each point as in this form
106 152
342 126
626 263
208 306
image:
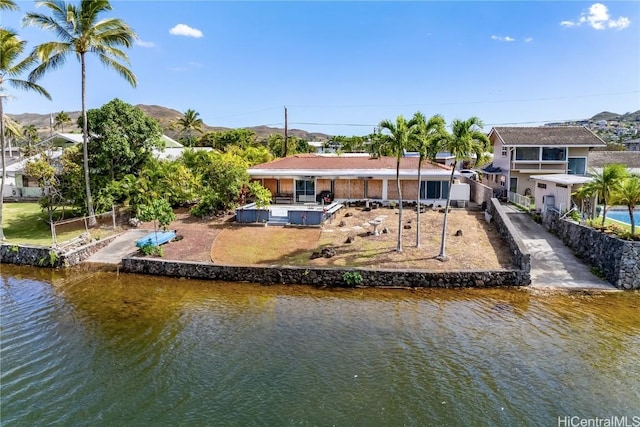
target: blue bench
156 239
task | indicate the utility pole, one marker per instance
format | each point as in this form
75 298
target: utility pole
286 132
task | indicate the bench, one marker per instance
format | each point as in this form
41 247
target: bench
330 211
283 198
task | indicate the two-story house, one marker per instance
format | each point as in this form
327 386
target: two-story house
520 152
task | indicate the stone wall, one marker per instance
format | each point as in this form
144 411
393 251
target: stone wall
520 255
42 256
324 276
619 260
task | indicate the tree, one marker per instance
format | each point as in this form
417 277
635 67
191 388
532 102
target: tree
8 5
61 119
397 141
628 194
187 124
43 170
81 30
466 138
11 67
605 183
159 211
427 140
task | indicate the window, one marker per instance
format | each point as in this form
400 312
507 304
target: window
305 191
528 153
577 166
434 189
551 153
504 151
541 185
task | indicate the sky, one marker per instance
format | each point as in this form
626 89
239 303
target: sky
341 67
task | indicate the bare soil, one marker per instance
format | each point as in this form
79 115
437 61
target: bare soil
222 241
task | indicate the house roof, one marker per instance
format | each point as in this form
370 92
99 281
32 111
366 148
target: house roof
561 178
62 138
345 165
631 159
562 136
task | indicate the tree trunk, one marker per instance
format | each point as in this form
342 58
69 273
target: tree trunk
418 204
443 255
633 222
399 247
4 168
85 143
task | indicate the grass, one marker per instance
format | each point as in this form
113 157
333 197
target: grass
25 223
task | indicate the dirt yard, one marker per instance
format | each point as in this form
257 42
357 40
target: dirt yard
222 241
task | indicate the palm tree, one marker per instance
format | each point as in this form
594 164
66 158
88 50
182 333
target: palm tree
10 67
466 138
397 140
8 5
81 31
427 141
628 194
605 183
60 120
187 124
30 133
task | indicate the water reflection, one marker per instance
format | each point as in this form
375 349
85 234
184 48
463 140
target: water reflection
92 347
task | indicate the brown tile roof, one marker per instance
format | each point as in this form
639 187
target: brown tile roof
345 162
548 135
630 159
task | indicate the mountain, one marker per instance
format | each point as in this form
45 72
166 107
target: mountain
608 116
165 116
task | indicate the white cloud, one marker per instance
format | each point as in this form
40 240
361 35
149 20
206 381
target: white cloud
185 30
143 43
528 40
598 18
503 39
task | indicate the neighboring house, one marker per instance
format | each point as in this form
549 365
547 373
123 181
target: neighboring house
629 159
555 190
302 178
520 152
18 185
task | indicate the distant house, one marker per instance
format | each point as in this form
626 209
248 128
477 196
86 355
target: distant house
629 159
520 152
632 144
302 178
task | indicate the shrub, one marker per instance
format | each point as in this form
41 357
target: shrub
352 278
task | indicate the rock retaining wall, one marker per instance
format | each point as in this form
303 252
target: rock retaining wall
619 260
519 254
42 256
324 276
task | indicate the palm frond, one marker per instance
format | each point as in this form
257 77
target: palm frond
27 85
51 63
8 5
126 73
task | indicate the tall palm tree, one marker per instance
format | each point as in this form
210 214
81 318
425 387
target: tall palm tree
397 139
81 31
11 48
628 194
189 123
428 139
61 119
466 138
605 183
30 133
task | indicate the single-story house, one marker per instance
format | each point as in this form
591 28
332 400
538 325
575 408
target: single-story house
301 178
554 190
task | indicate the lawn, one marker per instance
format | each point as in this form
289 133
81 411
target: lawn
25 223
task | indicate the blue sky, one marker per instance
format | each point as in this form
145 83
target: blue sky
337 64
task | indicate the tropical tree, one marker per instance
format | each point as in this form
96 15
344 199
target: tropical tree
605 183
81 30
397 137
11 48
8 5
187 124
61 119
30 135
628 194
466 138
427 140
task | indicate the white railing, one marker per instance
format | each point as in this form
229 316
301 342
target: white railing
519 199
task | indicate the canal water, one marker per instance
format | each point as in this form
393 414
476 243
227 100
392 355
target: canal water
85 347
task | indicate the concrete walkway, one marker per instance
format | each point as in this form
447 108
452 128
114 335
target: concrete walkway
553 265
120 247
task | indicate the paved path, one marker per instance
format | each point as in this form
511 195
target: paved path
120 247
552 263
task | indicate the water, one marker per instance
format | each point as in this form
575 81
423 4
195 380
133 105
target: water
623 216
93 348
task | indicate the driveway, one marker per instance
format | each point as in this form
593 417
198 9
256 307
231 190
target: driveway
120 247
552 263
